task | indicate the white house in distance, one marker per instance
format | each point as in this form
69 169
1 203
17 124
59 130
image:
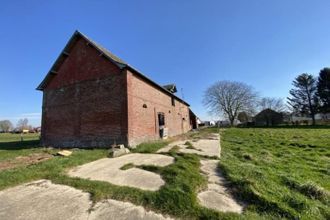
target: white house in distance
322 116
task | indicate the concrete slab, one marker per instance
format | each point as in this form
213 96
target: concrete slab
205 147
217 195
108 169
112 209
219 202
44 200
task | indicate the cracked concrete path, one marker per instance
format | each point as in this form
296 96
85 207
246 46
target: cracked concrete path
44 200
108 169
217 195
205 146
117 210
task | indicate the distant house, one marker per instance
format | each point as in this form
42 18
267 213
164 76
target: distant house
223 123
207 123
268 117
199 121
306 119
300 119
322 116
193 119
92 98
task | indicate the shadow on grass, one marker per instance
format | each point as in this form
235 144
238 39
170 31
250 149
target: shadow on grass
19 145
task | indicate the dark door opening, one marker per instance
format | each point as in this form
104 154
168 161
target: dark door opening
161 123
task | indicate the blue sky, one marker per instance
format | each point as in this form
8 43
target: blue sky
191 43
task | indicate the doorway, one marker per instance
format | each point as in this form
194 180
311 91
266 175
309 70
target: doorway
161 123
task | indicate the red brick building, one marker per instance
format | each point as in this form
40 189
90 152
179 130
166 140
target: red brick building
91 98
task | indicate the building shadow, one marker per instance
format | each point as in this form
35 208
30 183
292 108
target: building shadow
19 145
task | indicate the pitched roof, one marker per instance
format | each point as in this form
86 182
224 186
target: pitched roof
171 88
110 56
267 111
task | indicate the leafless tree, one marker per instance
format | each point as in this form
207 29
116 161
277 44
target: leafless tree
6 126
230 98
275 104
22 124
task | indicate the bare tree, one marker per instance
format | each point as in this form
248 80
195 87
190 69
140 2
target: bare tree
275 104
230 98
6 126
22 124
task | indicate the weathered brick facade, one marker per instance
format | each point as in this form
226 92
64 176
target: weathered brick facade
91 99
143 122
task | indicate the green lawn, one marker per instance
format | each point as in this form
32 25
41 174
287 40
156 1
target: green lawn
279 172
11 145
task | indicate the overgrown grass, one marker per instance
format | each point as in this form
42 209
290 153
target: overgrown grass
11 145
150 147
8 137
178 197
279 172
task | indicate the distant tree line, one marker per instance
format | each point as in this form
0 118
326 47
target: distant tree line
6 126
22 124
238 101
311 95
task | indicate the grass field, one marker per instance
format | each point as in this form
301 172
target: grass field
279 173
177 198
11 145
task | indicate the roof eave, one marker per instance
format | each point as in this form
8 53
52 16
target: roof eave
155 84
118 64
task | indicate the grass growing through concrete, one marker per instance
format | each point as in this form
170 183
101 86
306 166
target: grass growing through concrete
127 166
178 197
150 147
188 144
280 172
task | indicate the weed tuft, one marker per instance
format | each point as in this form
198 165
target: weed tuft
314 191
308 189
150 147
188 143
127 166
247 156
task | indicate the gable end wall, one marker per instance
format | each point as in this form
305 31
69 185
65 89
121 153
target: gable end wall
85 104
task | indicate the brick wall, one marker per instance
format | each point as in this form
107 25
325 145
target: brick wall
92 103
143 122
86 103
